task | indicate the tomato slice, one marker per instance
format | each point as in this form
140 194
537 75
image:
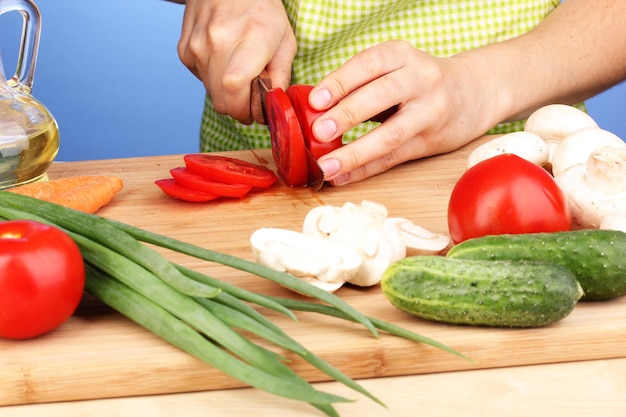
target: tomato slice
186 178
299 96
230 170
179 192
288 147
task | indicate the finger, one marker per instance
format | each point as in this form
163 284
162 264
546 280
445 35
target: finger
393 142
248 59
361 69
374 101
279 67
411 149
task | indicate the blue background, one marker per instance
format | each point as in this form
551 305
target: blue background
109 72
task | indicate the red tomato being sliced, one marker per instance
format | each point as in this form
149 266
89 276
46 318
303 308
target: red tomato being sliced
299 96
506 195
186 178
175 190
42 278
288 147
230 170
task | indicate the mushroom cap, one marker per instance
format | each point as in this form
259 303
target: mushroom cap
606 170
577 147
556 121
614 222
588 206
526 145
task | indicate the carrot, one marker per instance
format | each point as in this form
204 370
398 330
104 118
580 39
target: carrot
87 193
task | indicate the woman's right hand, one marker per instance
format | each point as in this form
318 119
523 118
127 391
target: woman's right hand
227 43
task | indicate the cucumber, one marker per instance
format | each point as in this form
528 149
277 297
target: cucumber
481 293
596 257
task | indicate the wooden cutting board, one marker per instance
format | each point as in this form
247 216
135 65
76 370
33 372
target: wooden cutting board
99 353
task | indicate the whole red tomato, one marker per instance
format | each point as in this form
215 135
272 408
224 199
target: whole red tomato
42 278
506 194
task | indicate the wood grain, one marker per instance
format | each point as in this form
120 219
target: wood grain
572 389
100 354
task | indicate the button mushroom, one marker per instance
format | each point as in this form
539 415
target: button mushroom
325 264
526 145
614 222
554 122
596 190
577 147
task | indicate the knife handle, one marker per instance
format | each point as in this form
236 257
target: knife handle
257 108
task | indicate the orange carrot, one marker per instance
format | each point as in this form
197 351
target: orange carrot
86 193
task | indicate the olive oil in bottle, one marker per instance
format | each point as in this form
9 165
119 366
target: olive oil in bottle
29 141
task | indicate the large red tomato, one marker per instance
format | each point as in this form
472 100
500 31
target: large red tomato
42 278
506 194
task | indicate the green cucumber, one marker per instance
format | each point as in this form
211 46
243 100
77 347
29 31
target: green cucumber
596 257
481 293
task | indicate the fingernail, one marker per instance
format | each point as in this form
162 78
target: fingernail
330 167
341 180
320 99
325 129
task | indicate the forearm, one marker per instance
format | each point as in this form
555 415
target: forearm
577 52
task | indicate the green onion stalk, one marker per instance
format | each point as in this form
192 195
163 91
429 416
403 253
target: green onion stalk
201 315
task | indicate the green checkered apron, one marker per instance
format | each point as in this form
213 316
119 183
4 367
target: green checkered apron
329 32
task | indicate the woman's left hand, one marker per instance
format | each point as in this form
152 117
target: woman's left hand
441 106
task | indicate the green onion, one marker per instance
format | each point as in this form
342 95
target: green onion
156 319
390 328
197 313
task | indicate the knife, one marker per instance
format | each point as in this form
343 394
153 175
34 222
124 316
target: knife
260 86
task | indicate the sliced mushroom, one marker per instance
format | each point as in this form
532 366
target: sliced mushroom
417 240
321 221
576 148
361 227
526 145
326 286
305 256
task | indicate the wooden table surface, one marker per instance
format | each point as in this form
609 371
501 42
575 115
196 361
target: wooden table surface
101 363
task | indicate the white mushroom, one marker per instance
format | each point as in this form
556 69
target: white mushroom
576 148
526 145
321 262
321 221
614 222
417 240
556 121
395 237
596 190
326 286
362 227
